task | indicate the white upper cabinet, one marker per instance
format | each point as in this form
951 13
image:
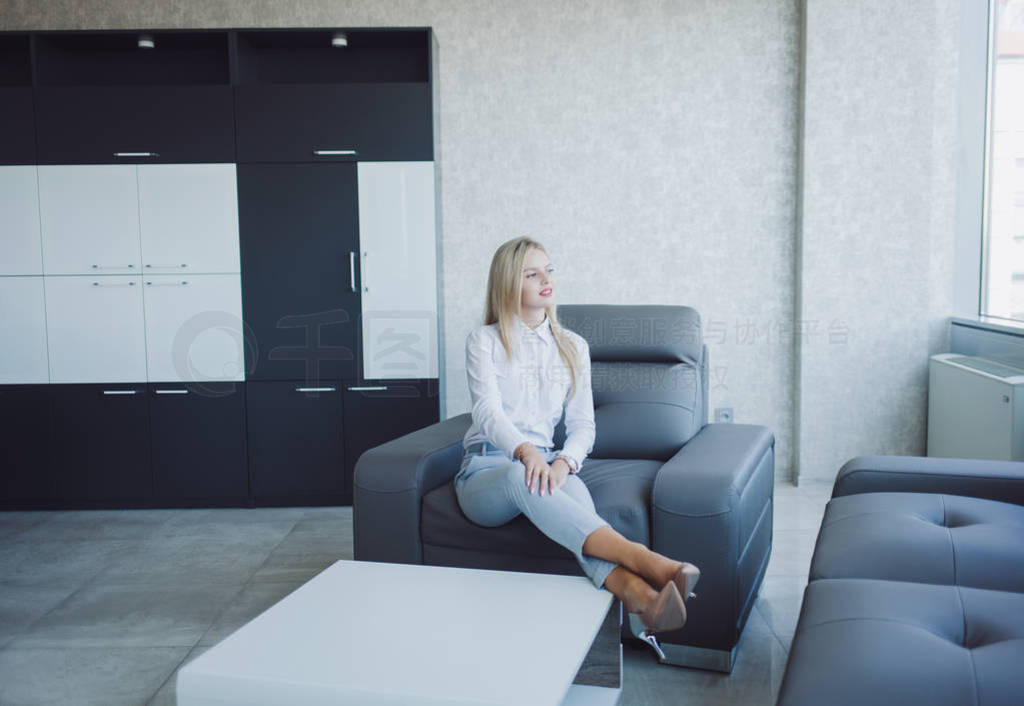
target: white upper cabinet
95 329
194 328
20 250
189 218
90 219
23 322
398 269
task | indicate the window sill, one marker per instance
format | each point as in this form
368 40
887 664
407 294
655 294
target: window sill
989 323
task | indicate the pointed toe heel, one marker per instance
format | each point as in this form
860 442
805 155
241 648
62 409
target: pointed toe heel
666 612
685 580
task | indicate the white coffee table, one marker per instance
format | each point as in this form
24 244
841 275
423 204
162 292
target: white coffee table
378 633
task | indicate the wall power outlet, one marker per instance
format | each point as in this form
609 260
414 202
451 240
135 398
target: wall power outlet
723 414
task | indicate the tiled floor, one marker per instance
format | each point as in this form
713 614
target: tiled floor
103 607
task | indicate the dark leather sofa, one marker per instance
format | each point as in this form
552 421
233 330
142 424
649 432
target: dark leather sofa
916 588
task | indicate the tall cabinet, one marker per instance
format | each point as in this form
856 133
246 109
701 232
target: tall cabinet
227 293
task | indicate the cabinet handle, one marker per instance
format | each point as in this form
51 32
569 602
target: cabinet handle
164 267
368 387
352 270
111 267
114 284
315 389
366 287
136 154
172 392
168 284
330 153
119 392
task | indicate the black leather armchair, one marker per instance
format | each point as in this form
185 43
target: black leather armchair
658 473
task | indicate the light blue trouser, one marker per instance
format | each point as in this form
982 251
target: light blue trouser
492 490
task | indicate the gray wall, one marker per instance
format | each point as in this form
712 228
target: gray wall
658 149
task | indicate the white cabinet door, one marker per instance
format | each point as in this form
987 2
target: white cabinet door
90 219
95 329
194 328
398 269
189 218
23 322
20 249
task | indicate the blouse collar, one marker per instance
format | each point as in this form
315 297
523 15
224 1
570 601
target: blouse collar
543 331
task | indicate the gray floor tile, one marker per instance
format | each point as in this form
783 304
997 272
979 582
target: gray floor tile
252 600
76 675
791 552
174 560
779 603
14 523
20 606
99 525
144 615
167 694
58 563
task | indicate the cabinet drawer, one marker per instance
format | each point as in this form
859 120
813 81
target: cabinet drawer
165 123
198 437
379 411
193 328
17 126
26 473
295 442
95 329
102 442
371 121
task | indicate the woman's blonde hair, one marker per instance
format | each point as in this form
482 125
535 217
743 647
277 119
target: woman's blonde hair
504 300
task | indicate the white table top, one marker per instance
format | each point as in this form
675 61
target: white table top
379 633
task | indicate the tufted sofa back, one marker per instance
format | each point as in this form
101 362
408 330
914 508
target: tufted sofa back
648 375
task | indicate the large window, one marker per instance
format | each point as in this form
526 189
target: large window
1003 244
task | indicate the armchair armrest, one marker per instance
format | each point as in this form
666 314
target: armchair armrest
711 505
993 480
389 483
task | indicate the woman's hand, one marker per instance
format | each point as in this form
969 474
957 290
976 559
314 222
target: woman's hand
539 473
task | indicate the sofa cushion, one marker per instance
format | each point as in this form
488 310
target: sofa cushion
621 490
924 537
888 642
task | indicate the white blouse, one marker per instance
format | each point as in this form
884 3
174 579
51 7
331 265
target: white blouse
522 399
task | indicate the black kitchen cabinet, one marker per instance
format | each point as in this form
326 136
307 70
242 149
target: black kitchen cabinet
101 98
299 242
198 439
312 122
101 443
17 118
366 122
17 126
300 99
296 449
27 477
135 124
382 410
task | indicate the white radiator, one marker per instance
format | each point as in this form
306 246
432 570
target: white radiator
975 408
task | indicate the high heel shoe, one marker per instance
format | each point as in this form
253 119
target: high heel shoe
685 579
666 612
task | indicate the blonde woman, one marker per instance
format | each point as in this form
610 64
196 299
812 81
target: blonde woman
524 369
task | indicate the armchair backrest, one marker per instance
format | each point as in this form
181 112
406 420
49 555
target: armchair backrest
648 374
